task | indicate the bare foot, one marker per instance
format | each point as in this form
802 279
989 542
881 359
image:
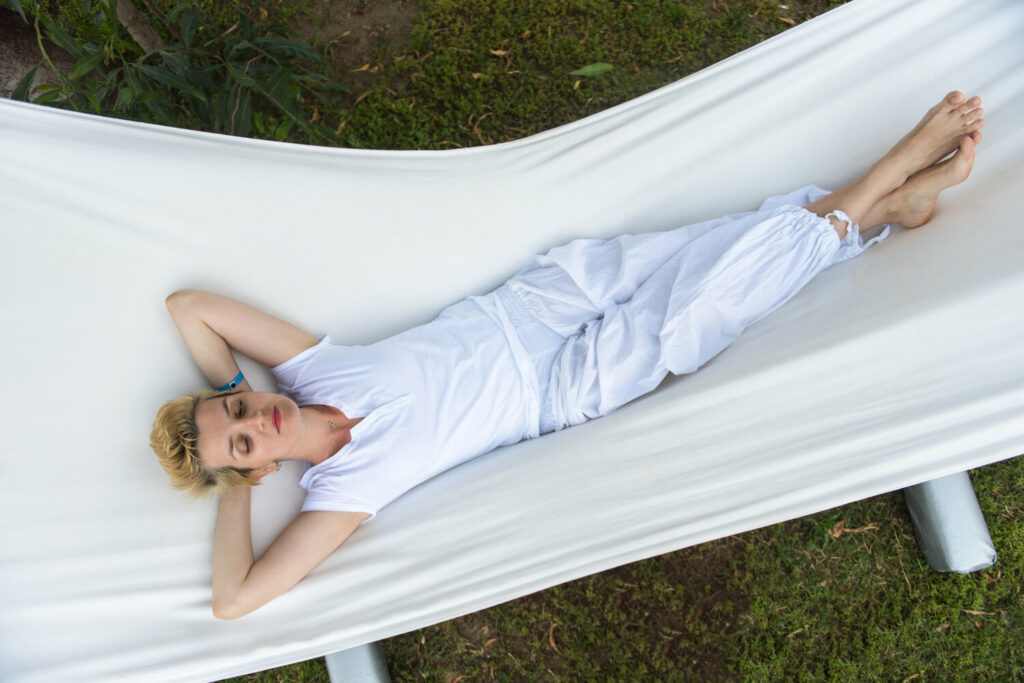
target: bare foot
913 204
939 133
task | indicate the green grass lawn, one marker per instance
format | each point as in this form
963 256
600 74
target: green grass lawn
842 595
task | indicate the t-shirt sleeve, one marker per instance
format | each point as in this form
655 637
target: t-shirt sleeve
289 373
323 496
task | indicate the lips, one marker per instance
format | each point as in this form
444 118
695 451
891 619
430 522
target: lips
277 420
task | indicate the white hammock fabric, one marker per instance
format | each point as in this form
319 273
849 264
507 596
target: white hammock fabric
902 365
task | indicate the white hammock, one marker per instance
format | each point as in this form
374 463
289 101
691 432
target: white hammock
897 367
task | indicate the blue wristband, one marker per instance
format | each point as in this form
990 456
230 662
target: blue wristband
233 384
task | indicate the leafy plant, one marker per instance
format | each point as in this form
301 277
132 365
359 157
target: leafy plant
230 81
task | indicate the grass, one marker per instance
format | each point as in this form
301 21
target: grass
476 72
844 594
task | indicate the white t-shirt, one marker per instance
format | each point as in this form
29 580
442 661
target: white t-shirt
430 398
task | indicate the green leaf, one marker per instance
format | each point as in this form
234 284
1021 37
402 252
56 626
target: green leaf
241 77
69 85
224 106
132 79
595 69
21 90
162 111
288 48
247 25
278 85
232 52
260 121
63 39
189 20
173 14
86 65
80 92
171 79
277 92
47 97
281 30
176 62
103 93
242 119
16 6
125 98
282 130
148 96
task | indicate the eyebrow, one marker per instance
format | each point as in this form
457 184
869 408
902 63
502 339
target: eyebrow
231 450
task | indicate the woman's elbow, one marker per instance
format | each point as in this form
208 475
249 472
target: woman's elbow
226 610
237 605
177 301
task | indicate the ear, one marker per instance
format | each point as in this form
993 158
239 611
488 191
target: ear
263 471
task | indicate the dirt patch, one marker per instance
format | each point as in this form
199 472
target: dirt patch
361 37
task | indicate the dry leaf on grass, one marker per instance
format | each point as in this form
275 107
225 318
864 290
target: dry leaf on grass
840 528
551 638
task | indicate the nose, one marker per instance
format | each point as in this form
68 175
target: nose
257 421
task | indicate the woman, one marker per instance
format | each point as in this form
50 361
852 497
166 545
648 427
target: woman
574 335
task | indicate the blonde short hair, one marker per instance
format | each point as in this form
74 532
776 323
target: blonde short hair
175 439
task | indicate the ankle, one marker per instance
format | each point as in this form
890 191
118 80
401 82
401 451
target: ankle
840 222
887 210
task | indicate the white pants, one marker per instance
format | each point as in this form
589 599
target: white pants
605 321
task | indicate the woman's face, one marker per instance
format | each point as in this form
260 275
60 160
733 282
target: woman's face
247 429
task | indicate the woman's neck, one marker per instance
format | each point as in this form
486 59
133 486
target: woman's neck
325 431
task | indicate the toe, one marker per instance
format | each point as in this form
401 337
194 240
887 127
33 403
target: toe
967 147
976 125
962 109
974 114
955 97
976 136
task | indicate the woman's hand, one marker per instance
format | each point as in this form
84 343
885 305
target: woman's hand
212 325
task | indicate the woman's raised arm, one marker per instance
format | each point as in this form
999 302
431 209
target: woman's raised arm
212 325
241 585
